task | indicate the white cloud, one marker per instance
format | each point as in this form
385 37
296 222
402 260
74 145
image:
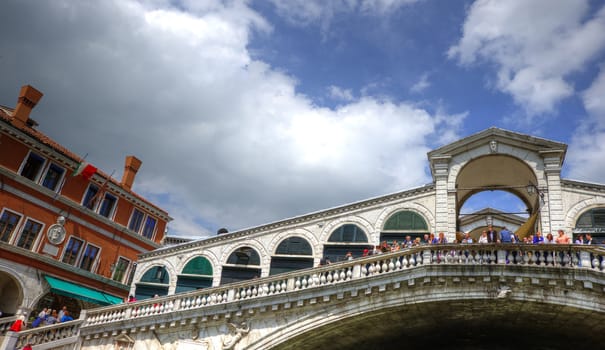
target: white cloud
340 94
311 12
421 84
587 146
535 46
225 140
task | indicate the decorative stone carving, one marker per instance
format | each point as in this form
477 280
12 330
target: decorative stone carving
56 232
236 333
493 146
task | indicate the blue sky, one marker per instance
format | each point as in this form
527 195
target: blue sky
247 112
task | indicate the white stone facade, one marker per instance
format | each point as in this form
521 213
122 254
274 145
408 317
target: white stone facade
458 171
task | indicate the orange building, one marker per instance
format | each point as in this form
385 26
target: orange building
67 236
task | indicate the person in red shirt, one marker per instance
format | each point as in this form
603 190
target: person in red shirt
18 325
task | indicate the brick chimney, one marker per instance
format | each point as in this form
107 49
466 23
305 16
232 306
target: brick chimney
131 167
28 98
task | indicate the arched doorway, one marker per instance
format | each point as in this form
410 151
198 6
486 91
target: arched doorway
11 294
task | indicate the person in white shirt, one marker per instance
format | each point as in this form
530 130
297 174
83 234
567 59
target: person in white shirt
483 238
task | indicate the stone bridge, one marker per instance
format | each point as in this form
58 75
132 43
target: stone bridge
450 296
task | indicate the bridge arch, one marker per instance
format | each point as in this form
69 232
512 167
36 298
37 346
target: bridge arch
495 172
501 304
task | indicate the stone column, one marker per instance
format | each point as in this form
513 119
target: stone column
445 198
553 217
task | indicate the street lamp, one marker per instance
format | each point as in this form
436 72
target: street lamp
531 189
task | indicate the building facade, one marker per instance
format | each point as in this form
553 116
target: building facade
69 234
494 159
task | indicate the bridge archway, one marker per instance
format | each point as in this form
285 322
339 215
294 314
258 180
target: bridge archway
482 324
496 172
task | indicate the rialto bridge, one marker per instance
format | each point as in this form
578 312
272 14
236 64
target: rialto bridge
448 296
261 288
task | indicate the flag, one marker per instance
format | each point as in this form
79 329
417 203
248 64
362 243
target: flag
85 169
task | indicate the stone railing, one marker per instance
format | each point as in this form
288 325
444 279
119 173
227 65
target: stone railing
565 256
57 334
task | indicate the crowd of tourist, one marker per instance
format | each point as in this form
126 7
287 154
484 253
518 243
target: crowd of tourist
489 235
48 316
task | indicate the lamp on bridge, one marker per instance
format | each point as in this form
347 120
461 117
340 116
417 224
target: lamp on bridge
531 189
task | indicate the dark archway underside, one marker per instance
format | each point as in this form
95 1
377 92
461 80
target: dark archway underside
481 324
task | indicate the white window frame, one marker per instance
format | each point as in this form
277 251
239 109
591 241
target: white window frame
126 272
40 171
134 209
36 242
17 229
95 263
112 212
155 227
83 201
77 260
45 172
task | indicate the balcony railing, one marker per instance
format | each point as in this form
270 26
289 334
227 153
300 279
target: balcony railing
543 256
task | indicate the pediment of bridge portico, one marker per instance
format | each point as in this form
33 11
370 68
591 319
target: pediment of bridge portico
494 159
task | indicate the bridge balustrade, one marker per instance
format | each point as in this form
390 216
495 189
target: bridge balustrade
45 337
546 256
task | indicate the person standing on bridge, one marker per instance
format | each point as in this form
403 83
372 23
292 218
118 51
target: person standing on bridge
506 236
562 238
492 235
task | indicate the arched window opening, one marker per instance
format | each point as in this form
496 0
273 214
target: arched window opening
154 281
196 274
244 256
348 238
401 224
243 264
592 222
293 253
348 233
294 246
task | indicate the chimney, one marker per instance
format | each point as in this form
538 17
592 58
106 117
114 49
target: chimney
28 98
130 171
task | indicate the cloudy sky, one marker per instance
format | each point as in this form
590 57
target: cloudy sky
248 112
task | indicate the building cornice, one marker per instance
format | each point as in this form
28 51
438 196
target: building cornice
70 161
50 195
583 185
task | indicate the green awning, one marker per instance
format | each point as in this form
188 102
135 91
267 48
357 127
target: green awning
76 291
